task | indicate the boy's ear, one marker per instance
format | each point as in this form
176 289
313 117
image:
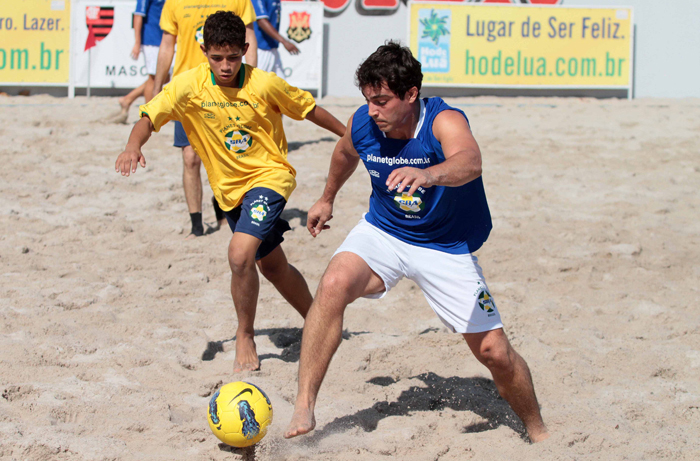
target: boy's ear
204 50
245 48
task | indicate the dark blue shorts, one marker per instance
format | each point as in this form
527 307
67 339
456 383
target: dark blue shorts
180 136
259 216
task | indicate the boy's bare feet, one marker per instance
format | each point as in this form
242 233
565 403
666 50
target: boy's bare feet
246 355
303 422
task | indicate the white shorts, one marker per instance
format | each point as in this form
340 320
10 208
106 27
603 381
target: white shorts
270 61
150 55
453 284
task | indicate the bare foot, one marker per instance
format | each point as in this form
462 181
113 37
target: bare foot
246 355
192 236
303 422
124 104
539 435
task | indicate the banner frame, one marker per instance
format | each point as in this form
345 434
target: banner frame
533 87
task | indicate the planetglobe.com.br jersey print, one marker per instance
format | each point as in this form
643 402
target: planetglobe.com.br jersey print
238 141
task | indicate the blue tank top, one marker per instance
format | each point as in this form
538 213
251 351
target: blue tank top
454 220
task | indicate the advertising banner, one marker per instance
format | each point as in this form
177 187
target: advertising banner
102 40
302 24
477 45
34 42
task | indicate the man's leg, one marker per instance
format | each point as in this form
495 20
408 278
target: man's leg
287 279
192 182
347 278
244 291
511 376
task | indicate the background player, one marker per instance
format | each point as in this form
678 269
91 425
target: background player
182 21
267 28
232 113
424 223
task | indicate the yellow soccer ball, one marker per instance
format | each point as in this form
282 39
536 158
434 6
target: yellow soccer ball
239 414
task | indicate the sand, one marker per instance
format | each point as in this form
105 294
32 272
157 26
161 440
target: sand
115 331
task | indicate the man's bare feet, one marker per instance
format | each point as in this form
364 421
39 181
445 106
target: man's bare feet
246 355
124 104
538 436
303 422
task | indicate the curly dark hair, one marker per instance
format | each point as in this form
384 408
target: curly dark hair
224 28
393 64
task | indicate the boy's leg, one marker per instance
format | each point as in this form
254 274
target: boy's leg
192 183
148 90
244 291
511 376
287 279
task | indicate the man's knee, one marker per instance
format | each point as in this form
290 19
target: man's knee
190 159
496 353
338 285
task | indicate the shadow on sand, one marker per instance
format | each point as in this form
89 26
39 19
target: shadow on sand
478 395
287 339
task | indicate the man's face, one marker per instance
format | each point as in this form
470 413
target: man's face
386 109
225 62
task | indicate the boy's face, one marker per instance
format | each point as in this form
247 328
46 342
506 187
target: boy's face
225 62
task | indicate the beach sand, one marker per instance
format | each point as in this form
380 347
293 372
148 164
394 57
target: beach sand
115 331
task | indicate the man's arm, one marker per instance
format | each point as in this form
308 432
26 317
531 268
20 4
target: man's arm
343 164
266 26
462 158
165 60
325 119
138 25
251 56
132 156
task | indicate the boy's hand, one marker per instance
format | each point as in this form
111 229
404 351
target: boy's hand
128 160
291 47
136 51
318 216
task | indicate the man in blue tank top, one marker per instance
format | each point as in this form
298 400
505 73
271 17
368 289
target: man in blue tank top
427 215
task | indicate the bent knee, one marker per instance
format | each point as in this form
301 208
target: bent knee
339 286
498 356
190 159
240 262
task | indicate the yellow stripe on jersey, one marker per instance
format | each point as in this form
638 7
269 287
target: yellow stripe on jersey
237 132
185 18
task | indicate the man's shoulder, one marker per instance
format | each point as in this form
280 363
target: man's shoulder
193 80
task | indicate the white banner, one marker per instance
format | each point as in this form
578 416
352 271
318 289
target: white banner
302 24
110 65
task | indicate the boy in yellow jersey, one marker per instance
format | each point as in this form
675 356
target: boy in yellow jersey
232 114
182 21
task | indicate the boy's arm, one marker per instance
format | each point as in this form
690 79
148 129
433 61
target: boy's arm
343 163
132 156
325 119
266 26
138 25
165 59
251 56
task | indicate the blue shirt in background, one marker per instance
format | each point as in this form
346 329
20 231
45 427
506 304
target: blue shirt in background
270 10
150 10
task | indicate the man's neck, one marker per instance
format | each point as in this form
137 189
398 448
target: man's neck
408 124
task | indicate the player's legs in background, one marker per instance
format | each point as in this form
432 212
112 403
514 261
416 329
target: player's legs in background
511 376
192 183
148 90
347 278
245 286
287 279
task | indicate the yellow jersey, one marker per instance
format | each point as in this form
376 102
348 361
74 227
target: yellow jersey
185 19
237 132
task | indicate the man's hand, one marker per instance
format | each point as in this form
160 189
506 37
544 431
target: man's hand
318 216
128 160
291 47
136 51
415 177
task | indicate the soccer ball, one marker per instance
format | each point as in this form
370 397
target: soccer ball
239 414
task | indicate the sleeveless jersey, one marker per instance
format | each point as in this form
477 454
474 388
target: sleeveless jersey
454 220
